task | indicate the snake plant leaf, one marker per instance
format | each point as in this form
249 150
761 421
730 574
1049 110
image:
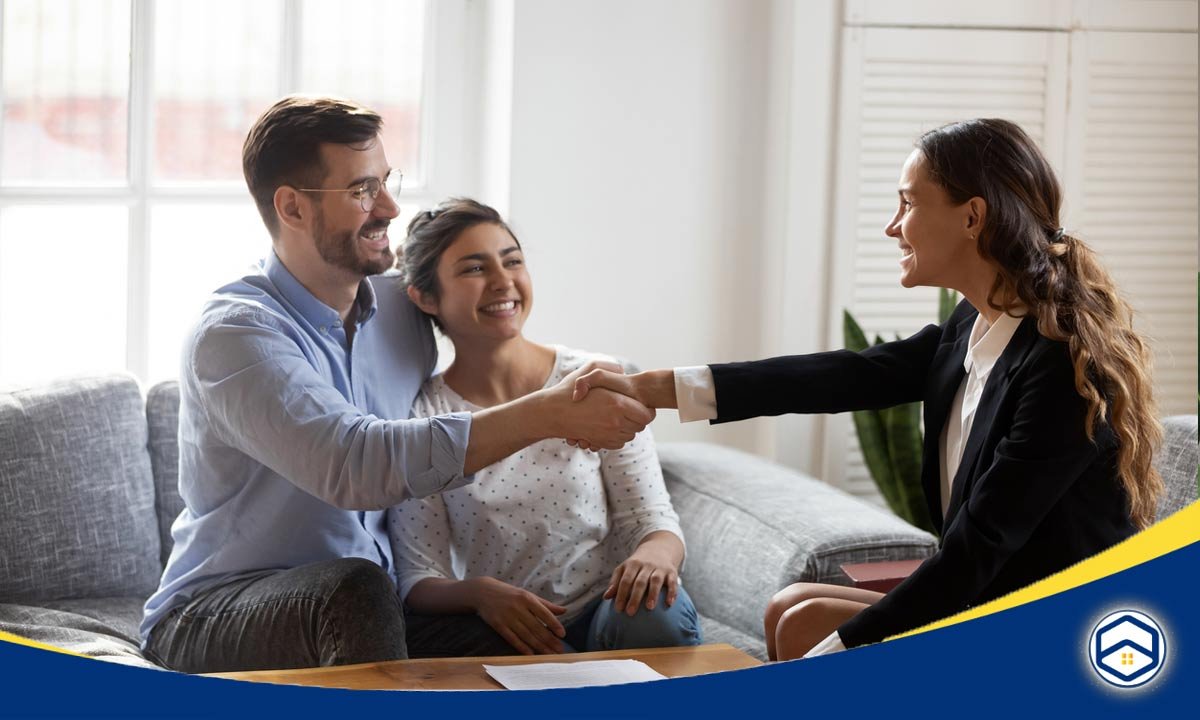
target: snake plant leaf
905 447
890 439
852 334
872 440
868 424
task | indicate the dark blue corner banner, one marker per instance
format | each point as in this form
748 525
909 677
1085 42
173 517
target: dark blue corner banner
1035 660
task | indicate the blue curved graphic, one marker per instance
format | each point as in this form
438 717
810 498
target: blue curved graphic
958 665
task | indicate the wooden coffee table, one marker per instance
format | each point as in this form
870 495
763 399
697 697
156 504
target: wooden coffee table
468 673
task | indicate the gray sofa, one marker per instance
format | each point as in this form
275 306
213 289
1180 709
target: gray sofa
88 474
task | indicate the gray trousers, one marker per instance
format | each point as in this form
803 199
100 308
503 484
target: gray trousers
337 612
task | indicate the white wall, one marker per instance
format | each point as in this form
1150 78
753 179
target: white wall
669 165
639 182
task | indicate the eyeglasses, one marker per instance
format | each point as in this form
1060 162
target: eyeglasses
368 190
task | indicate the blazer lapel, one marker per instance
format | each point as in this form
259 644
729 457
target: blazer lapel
946 375
989 402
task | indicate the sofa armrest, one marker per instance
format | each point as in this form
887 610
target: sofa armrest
753 527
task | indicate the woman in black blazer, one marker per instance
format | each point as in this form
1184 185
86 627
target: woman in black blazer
1040 423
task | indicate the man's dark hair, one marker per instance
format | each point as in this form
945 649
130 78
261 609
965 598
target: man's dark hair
283 147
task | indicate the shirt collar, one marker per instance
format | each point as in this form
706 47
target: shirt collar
365 301
988 341
310 308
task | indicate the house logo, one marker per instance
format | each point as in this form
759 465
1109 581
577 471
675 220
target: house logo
1127 648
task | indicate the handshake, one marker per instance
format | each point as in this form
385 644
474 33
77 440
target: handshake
598 407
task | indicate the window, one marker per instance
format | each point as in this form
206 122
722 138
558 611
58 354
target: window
122 203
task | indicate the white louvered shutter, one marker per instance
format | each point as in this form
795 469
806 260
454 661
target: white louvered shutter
896 84
1132 187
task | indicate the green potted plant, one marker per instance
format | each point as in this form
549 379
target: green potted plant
891 439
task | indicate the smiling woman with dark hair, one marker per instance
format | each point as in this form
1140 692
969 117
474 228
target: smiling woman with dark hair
554 548
1040 422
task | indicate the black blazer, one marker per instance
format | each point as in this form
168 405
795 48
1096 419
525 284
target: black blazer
1032 494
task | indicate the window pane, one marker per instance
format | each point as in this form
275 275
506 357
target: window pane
378 63
62 291
194 249
216 68
66 88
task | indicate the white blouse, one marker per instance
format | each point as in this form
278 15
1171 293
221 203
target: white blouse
551 519
983 350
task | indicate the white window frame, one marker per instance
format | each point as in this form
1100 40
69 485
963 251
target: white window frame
449 101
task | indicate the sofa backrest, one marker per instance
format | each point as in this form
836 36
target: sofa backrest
86 511
162 417
76 492
1176 461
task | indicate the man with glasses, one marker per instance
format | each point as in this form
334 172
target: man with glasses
294 435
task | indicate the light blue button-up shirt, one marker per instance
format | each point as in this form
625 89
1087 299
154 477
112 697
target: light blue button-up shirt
292 443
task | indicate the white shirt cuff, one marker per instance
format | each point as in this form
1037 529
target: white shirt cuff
695 393
828 646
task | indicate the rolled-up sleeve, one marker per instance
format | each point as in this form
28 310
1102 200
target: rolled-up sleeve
264 397
448 437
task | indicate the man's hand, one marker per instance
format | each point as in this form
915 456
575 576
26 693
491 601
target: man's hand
604 420
652 388
653 565
529 623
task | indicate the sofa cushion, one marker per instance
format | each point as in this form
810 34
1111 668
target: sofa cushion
76 494
1176 461
752 527
716 631
98 629
120 616
162 417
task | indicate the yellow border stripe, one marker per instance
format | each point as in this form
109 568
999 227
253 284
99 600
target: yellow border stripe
1177 531
18 640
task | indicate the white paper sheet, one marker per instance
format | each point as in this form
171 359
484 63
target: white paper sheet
586 673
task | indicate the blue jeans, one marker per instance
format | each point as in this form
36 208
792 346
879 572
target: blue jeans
601 627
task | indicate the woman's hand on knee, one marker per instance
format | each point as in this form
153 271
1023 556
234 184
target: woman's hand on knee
527 622
642 577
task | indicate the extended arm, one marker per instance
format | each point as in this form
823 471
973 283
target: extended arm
830 382
262 396
266 399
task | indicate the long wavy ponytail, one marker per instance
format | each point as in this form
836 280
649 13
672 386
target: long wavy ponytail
1061 281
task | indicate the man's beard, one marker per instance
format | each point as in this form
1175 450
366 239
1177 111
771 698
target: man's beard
340 249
